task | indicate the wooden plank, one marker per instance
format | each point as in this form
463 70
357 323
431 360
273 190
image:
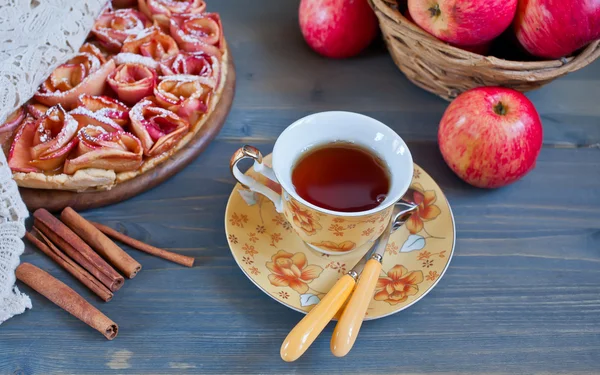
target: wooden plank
520 296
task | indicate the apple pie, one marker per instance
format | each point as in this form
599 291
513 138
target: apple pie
147 78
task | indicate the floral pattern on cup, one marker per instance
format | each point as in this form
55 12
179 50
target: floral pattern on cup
326 232
304 219
333 246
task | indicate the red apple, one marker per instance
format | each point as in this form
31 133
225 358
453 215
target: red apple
337 28
480 49
555 28
490 136
463 22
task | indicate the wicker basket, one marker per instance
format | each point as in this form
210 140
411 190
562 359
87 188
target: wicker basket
447 71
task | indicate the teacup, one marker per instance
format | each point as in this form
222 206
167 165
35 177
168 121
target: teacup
324 230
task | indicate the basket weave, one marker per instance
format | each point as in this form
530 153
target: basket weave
448 71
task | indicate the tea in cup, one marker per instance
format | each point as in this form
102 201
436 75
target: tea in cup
340 174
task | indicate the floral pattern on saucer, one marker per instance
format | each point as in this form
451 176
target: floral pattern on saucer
276 260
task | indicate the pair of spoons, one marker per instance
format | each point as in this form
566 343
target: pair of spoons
366 271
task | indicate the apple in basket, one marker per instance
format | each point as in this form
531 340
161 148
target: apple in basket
552 29
463 22
480 49
490 136
337 28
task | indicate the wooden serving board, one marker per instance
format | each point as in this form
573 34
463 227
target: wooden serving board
56 200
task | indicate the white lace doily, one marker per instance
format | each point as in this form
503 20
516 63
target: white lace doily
35 37
12 228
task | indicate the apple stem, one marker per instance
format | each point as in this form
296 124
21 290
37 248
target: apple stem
435 10
500 109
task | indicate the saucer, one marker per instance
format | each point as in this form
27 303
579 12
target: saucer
416 257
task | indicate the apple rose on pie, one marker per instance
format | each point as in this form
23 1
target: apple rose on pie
161 10
94 50
85 117
132 82
198 33
98 148
83 74
132 58
36 110
185 95
45 143
157 128
107 107
193 63
151 42
114 26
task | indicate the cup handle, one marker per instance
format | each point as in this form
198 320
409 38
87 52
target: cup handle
250 152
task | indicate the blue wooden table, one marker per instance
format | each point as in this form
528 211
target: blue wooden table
522 294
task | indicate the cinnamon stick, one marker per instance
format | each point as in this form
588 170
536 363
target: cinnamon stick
102 244
47 247
77 249
66 298
161 253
